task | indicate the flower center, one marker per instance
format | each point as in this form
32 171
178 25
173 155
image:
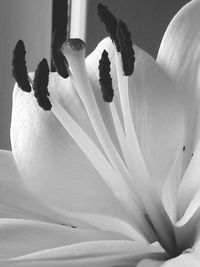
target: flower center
125 172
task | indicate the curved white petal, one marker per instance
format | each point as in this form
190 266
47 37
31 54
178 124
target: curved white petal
150 263
108 223
17 202
171 185
51 164
99 253
179 55
185 260
157 114
155 107
21 237
190 185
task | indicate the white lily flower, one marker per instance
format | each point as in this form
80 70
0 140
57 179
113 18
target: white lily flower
95 183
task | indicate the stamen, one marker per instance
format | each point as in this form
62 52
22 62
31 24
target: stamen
40 84
110 23
126 48
19 70
82 84
105 79
112 177
80 80
139 171
151 201
59 60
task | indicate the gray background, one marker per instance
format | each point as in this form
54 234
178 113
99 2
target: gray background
30 20
146 19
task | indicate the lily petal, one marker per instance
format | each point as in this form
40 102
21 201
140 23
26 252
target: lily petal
171 187
188 238
150 263
17 202
99 253
52 165
157 114
179 55
187 259
20 237
155 107
108 223
190 186
184 260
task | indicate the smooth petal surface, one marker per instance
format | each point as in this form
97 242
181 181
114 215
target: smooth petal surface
21 237
51 164
155 107
150 263
99 253
107 223
170 188
157 114
189 187
179 55
17 202
185 260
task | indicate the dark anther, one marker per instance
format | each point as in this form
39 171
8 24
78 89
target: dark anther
40 84
59 60
110 23
19 70
183 148
126 48
105 79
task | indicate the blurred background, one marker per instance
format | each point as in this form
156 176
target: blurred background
32 21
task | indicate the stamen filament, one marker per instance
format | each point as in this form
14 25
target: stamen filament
170 189
110 176
75 54
139 171
124 147
82 84
119 130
